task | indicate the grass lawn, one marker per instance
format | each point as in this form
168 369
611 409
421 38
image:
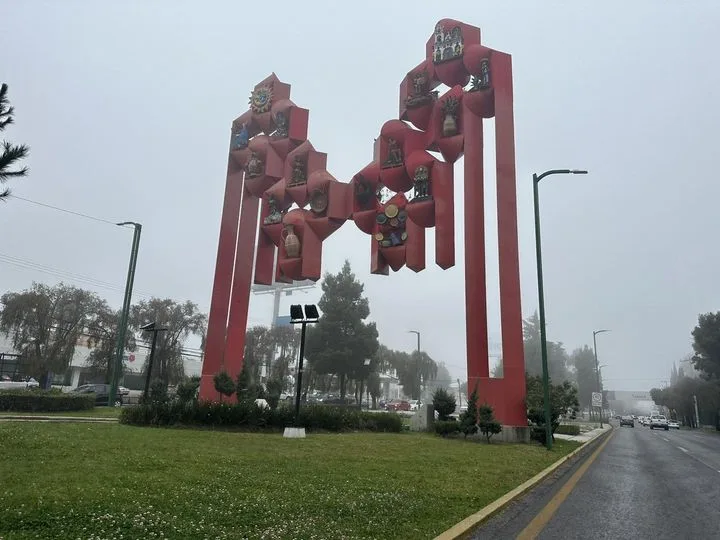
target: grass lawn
94 481
97 412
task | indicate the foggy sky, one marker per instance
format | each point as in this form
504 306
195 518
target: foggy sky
127 108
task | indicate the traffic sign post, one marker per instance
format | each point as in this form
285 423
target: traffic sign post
597 402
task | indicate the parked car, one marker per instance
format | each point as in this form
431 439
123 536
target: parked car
674 424
415 404
659 421
627 421
398 405
102 394
25 384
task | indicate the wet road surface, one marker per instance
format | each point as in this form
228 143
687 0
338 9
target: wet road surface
641 484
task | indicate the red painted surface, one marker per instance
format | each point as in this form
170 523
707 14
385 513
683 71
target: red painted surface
240 300
346 201
220 301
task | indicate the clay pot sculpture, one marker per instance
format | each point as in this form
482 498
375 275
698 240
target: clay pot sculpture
292 242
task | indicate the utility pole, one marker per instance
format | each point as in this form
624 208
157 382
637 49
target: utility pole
697 415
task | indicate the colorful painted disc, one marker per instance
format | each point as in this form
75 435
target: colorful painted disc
381 219
379 236
391 210
403 236
402 216
386 243
394 222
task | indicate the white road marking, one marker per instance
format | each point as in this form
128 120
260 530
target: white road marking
683 449
666 439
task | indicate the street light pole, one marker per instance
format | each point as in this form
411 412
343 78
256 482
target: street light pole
417 361
597 369
122 328
541 298
150 327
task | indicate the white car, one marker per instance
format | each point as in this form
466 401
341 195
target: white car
415 404
659 421
674 424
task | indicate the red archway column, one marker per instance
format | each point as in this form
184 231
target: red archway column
220 301
513 388
475 282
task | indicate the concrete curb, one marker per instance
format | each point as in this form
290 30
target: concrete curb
37 418
462 528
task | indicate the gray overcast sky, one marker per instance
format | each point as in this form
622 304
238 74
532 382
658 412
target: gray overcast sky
127 108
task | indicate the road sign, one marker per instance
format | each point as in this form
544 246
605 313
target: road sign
596 399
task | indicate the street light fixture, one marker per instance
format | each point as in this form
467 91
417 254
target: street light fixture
417 360
150 327
541 297
122 328
311 316
597 369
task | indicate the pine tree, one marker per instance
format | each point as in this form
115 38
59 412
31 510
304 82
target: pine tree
341 341
10 153
469 419
443 403
487 423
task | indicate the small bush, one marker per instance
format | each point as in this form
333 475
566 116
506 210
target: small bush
44 401
188 389
486 422
469 419
224 383
248 416
568 429
443 403
444 428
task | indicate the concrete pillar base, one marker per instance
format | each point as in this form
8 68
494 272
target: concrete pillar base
294 433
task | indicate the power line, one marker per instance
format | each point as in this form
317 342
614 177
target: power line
79 214
31 265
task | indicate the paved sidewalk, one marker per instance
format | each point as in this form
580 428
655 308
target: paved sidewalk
585 437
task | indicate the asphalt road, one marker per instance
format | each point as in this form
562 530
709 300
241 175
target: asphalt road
642 484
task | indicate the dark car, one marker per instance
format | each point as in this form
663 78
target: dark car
102 394
398 405
627 421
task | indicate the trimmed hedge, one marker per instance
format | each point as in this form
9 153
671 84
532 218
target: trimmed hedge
44 401
250 417
444 428
567 429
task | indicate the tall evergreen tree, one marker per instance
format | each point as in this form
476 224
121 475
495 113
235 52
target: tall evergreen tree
11 153
341 341
583 361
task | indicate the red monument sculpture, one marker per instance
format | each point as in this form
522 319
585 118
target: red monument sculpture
274 168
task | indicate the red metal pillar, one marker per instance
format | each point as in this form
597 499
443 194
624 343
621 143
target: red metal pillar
242 281
510 306
220 302
475 281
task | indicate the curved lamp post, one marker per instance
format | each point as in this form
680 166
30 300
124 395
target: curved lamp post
597 368
541 297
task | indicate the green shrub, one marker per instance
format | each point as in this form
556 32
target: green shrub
44 401
568 429
224 383
247 416
445 428
443 403
187 390
469 419
486 422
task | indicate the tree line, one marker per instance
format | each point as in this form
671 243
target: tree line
46 323
684 390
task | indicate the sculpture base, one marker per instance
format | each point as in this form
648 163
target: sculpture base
514 434
294 433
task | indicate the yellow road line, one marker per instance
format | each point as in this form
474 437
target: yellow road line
536 526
